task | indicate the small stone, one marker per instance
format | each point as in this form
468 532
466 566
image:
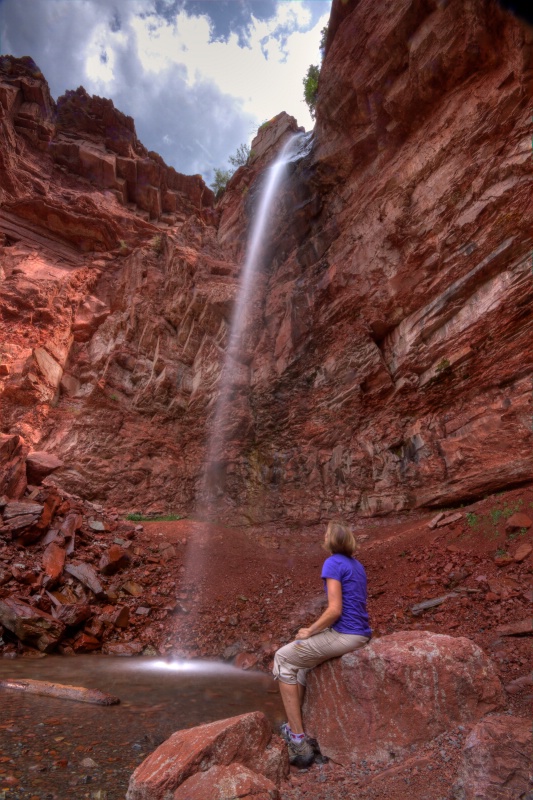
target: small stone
74 614
54 560
518 521
518 628
113 560
123 648
85 643
96 525
135 589
88 763
523 552
519 684
40 464
246 660
434 522
119 618
143 611
502 561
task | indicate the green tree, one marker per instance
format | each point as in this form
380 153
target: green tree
222 176
241 156
323 38
311 87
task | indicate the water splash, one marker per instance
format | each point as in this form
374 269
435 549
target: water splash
235 372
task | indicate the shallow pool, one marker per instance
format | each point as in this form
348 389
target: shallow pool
54 749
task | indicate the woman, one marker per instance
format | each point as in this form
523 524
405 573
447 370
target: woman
342 627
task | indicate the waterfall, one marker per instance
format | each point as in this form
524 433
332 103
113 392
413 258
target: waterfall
235 371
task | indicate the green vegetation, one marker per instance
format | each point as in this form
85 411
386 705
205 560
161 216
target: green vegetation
500 552
157 243
496 514
472 519
241 156
323 37
310 83
239 159
443 365
516 534
153 517
222 177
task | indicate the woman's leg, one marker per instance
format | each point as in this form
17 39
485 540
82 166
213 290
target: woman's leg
302 655
290 695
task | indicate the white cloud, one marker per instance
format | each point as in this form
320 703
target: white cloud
194 90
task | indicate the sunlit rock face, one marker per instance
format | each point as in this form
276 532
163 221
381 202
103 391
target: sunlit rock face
389 361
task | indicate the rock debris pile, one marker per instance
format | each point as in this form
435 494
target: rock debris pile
73 579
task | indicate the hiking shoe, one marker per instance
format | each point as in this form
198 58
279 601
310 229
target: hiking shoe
301 754
285 732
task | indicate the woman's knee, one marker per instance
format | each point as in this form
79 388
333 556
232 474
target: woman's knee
283 670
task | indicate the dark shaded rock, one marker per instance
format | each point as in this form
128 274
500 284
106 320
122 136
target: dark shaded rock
113 560
30 625
74 614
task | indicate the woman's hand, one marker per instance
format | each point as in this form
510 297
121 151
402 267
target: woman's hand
330 615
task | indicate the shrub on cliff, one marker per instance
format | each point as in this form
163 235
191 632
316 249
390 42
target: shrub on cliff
222 176
311 87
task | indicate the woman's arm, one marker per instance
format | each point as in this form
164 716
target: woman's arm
330 615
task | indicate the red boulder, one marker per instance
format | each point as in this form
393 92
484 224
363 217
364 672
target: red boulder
498 754
227 783
243 739
400 690
30 625
40 464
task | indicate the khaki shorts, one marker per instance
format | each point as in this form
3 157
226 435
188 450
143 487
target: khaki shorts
292 662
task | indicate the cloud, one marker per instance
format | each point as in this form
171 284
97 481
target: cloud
197 76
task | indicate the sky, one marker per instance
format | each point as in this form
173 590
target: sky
197 76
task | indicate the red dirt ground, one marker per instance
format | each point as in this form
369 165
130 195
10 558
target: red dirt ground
247 591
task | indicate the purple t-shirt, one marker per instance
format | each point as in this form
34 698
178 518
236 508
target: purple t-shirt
352 577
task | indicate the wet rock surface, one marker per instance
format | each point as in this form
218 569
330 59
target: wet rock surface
57 749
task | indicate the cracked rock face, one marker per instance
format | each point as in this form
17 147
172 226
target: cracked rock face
387 357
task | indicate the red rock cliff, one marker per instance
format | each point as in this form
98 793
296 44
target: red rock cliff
389 360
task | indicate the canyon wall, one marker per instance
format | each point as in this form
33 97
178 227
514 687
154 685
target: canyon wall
387 364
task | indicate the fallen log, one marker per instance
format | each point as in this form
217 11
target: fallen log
62 692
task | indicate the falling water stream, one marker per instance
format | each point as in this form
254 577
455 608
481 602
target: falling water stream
53 749
236 359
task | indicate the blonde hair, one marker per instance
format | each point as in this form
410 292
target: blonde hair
340 539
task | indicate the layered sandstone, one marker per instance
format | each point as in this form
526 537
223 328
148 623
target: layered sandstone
388 363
